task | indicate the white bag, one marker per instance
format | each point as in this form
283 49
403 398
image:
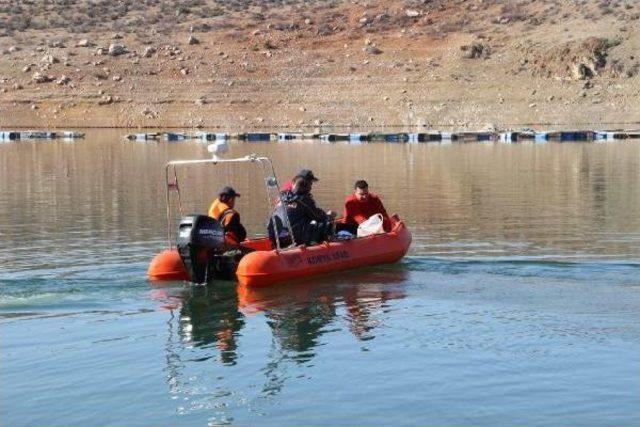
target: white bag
371 226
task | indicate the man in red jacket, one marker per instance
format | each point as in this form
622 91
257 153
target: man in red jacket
360 206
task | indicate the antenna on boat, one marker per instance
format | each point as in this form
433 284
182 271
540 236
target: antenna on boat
218 149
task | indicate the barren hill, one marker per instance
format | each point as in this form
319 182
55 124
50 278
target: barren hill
240 64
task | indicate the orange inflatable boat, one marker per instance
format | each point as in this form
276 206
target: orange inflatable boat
266 266
201 255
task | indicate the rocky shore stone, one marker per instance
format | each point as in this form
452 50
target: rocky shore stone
372 50
63 80
117 49
41 78
475 50
149 51
50 59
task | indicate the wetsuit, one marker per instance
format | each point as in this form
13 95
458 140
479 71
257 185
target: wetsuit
309 223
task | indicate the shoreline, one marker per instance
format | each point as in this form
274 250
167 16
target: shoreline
555 127
426 136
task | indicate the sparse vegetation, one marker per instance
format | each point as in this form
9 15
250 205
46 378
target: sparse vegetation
238 49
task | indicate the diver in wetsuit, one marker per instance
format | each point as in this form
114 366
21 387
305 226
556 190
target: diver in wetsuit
309 224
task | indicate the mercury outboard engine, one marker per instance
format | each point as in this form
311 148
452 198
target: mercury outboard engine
203 251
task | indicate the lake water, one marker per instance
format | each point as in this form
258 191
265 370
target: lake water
518 304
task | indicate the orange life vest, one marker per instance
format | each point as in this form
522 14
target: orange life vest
223 213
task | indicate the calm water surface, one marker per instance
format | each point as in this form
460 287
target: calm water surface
519 302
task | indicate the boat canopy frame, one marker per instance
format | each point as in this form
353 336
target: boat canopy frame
270 180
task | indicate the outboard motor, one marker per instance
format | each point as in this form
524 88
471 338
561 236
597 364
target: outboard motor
203 251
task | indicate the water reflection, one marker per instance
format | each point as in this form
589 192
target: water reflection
207 316
298 316
210 316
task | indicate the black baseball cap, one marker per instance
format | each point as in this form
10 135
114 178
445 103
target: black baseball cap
307 174
228 191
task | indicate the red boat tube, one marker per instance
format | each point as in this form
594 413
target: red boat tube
264 268
167 265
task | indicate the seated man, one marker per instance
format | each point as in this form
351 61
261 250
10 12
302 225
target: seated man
309 224
360 206
222 210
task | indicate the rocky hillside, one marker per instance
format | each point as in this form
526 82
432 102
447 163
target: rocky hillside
205 63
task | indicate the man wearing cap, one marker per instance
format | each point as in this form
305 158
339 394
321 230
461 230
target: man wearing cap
309 224
222 210
306 174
